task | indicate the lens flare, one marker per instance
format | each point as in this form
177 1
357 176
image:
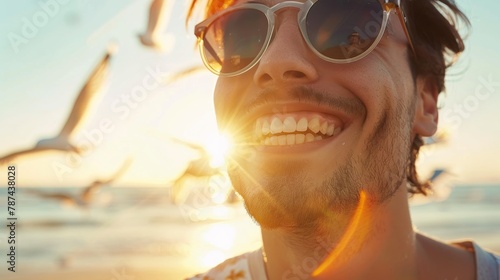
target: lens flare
218 148
347 238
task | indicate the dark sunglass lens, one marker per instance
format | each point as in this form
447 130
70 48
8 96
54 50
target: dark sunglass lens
344 29
234 40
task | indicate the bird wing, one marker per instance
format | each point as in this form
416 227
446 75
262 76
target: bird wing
159 14
442 184
201 168
12 156
119 172
436 174
184 72
157 17
56 196
87 95
164 136
87 192
193 146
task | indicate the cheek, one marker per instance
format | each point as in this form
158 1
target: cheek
386 80
219 101
385 88
227 102
375 86
222 117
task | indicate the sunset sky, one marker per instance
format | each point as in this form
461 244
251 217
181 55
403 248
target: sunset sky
41 76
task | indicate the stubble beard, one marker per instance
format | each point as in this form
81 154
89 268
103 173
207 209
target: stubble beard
288 198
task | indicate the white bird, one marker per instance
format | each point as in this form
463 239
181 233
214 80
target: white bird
197 168
158 15
81 109
441 188
87 194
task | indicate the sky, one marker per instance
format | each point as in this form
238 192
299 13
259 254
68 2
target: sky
42 73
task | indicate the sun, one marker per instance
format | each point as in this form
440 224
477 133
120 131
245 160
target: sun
218 147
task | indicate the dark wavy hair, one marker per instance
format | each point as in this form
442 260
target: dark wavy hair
432 25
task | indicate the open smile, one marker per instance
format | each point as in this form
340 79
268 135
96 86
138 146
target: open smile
295 128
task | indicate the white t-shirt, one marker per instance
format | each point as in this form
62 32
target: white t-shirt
250 266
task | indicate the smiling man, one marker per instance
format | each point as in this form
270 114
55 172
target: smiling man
327 137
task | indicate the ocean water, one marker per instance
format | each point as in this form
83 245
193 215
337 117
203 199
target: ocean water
138 229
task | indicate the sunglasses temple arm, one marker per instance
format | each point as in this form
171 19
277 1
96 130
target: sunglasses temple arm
212 52
407 33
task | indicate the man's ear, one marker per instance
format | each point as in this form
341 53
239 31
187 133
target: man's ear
426 111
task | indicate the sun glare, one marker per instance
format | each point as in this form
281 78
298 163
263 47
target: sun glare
221 236
219 186
218 147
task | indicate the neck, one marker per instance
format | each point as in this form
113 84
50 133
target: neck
371 242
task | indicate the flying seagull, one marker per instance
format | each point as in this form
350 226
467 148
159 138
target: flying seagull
81 108
158 13
197 168
87 194
441 188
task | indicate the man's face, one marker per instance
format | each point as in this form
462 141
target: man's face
363 110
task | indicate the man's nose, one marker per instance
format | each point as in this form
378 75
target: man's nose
288 59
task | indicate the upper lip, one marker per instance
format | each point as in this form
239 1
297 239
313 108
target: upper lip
335 101
294 107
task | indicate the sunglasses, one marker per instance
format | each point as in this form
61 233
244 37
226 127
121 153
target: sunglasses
340 31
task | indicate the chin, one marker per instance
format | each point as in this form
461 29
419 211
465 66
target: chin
293 199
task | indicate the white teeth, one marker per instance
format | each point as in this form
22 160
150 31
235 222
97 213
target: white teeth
285 130
265 128
314 125
290 139
324 127
276 126
289 124
282 140
302 125
274 140
300 138
309 137
330 130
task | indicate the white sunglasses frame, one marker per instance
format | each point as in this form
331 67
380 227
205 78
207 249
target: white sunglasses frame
304 7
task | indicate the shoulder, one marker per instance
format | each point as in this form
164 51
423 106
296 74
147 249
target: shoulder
440 260
234 268
487 263
464 258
